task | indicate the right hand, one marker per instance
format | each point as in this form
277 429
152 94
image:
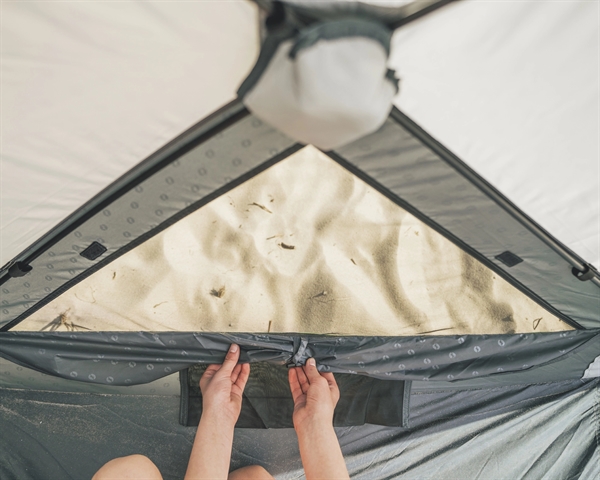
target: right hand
315 394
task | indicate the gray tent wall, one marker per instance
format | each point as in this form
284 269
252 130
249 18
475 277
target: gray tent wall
520 431
490 384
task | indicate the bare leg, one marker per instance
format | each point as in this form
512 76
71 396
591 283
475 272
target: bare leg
253 472
133 467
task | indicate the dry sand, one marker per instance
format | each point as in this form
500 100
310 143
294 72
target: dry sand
303 247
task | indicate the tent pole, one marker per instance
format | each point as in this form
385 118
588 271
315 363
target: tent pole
581 269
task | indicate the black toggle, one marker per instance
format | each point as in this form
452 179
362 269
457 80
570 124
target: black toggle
93 251
19 269
589 272
509 259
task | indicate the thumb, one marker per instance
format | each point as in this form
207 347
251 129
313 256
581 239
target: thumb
311 370
231 359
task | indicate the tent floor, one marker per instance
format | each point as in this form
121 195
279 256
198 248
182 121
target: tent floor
480 433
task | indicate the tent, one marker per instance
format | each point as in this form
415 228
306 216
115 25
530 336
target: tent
443 264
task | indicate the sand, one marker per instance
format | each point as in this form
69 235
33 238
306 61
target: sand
303 247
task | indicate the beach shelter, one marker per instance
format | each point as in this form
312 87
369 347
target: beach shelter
407 191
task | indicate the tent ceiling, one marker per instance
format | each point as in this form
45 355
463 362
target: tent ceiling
512 88
327 254
89 89
97 140
111 82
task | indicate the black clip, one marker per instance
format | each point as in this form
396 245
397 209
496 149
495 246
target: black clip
588 272
19 269
93 251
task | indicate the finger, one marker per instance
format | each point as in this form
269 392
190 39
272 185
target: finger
311 371
231 359
330 379
302 379
236 373
295 387
211 370
208 374
333 386
243 375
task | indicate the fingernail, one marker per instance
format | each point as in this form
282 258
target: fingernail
311 362
233 348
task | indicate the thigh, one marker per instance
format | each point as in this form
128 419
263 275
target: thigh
132 467
253 472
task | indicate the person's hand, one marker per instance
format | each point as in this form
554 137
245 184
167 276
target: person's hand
315 394
222 387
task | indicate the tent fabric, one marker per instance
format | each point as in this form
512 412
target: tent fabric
90 89
569 367
486 80
129 358
15 376
356 263
267 401
519 431
399 163
574 301
434 92
425 180
512 88
193 176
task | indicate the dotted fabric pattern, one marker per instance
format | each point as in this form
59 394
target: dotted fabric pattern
195 175
129 358
16 376
405 166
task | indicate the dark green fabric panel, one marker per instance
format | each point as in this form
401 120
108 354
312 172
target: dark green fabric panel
268 403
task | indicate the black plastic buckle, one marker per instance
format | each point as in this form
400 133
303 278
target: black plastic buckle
19 269
588 272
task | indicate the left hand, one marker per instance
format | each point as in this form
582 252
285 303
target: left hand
222 387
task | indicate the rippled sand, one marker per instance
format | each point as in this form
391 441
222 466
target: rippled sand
303 247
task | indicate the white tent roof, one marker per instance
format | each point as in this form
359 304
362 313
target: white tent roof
512 88
90 89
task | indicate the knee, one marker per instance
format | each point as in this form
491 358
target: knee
253 472
129 468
